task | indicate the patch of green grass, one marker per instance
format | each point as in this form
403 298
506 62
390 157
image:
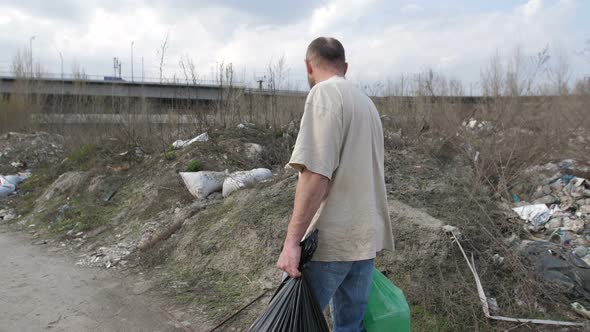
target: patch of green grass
184 298
80 218
170 153
83 157
194 166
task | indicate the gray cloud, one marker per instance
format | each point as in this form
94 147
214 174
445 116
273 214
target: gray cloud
261 12
383 38
63 10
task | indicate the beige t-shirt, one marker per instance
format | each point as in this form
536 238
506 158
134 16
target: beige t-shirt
341 138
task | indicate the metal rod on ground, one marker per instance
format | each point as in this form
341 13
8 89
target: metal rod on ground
484 299
238 312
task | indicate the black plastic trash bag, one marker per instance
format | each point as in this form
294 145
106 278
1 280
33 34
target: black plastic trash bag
293 307
560 268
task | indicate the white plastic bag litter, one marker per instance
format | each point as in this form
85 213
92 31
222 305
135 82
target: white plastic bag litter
537 214
17 179
201 184
244 179
6 187
204 137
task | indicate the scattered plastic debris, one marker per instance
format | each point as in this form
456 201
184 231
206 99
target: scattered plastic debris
28 151
6 187
253 150
537 214
560 209
16 164
581 251
474 124
498 260
485 304
108 256
580 310
9 183
493 305
204 137
7 215
560 267
453 230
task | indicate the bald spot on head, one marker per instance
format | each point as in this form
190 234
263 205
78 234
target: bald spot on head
327 51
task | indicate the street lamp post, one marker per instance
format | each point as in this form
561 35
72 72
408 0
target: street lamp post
61 59
31 53
132 60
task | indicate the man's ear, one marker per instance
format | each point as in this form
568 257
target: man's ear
308 67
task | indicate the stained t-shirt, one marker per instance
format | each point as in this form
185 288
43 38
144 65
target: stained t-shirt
341 138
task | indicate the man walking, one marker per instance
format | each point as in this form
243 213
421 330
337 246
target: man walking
341 188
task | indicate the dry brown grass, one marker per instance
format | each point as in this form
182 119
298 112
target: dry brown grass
424 114
518 132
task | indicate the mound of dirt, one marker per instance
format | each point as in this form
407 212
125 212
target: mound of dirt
29 151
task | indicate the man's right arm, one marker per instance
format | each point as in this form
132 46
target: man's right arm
310 192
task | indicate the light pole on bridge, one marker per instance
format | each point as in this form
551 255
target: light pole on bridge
31 53
133 42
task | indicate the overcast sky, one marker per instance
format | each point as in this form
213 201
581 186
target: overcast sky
383 38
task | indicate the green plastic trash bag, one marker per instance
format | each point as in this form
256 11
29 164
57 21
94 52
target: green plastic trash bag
387 310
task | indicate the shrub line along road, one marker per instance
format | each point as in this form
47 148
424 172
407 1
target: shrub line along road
41 291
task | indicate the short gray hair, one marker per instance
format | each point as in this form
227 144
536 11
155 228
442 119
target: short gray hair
327 50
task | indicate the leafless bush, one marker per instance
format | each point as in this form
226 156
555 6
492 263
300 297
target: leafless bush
161 54
526 117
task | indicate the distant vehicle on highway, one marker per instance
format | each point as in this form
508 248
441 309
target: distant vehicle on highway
113 78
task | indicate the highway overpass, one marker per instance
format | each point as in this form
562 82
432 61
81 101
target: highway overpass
121 89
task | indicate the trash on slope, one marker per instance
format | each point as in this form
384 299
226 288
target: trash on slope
561 205
485 302
537 214
253 150
204 137
244 179
202 184
9 183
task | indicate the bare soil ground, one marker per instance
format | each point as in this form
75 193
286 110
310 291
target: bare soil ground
43 289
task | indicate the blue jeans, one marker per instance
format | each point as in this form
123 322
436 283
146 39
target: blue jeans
345 286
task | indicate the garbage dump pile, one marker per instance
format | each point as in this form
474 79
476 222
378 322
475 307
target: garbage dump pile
28 151
558 217
204 183
9 183
21 153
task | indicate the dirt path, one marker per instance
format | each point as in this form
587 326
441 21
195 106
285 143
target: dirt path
42 291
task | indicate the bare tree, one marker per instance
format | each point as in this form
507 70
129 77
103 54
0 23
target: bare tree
492 77
276 75
78 72
189 70
514 77
20 64
559 74
161 54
